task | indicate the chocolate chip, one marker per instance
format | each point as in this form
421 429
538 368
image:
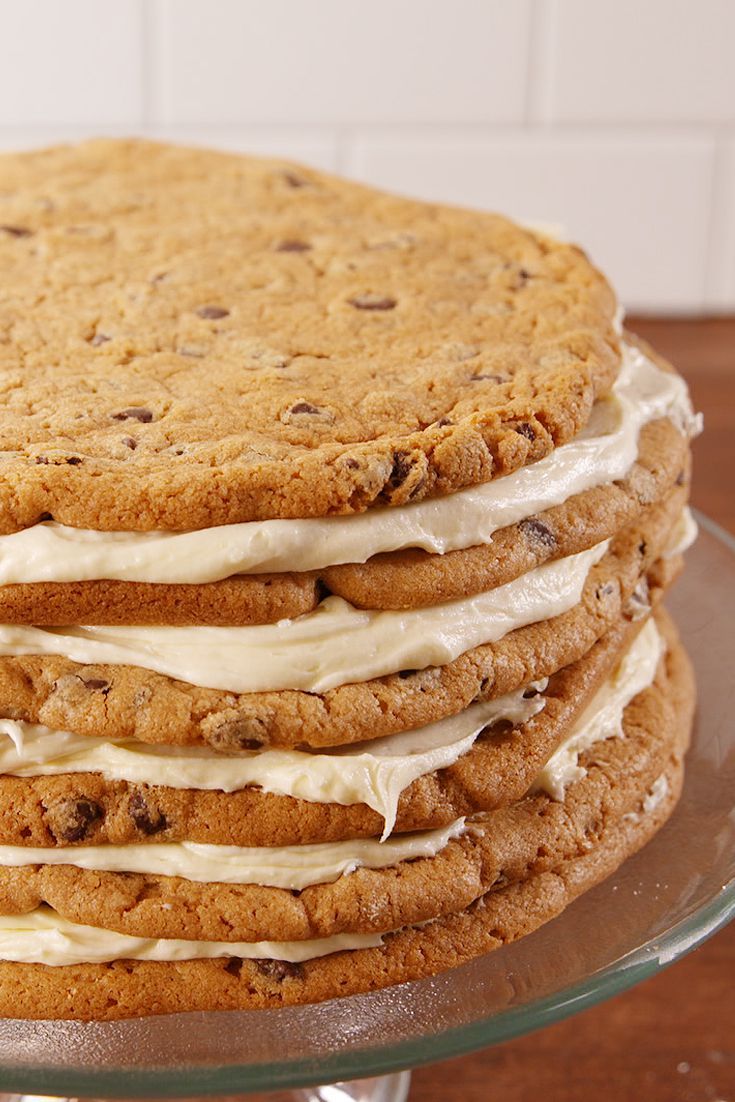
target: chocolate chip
292 246
43 517
401 469
524 429
98 339
148 820
535 530
212 313
351 464
420 485
373 302
16 231
234 966
305 407
294 181
76 817
72 460
443 422
134 413
238 733
278 970
642 548
96 684
322 591
130 443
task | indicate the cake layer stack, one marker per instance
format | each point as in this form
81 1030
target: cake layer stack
334 528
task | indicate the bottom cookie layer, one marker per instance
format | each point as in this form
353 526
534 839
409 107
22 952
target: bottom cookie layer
132 988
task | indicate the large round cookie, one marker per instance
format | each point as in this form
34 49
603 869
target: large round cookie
201 338
130 702
660 715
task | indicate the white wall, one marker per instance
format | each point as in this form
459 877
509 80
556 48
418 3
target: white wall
615 118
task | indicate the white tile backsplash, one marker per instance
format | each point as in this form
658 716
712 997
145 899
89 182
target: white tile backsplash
638 203
721 277
340 61
642 60
70 61
615 117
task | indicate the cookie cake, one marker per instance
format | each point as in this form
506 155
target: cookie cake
334 528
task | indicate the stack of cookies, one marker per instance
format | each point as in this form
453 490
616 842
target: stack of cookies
333 534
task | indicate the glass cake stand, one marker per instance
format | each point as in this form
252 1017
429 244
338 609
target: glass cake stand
663 902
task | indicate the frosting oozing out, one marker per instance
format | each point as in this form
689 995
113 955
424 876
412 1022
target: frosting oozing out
44 937
683 534
291 867
602 453
336 644
373 773
603 716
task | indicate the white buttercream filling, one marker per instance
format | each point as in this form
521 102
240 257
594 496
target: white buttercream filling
603 716
603 452
292 867
335 645
44 937
656 794
373 773
683 534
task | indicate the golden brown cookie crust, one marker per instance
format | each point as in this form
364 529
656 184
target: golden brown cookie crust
128 989
194 338
394 580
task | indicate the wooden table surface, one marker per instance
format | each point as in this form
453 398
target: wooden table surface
672 1038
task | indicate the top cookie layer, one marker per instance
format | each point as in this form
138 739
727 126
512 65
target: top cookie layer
190 338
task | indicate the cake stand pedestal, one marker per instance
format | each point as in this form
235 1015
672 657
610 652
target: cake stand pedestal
660 904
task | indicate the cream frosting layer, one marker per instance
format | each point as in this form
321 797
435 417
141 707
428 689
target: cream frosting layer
44 937
373 773
603 452
336 644
603 716
292 867
683 534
